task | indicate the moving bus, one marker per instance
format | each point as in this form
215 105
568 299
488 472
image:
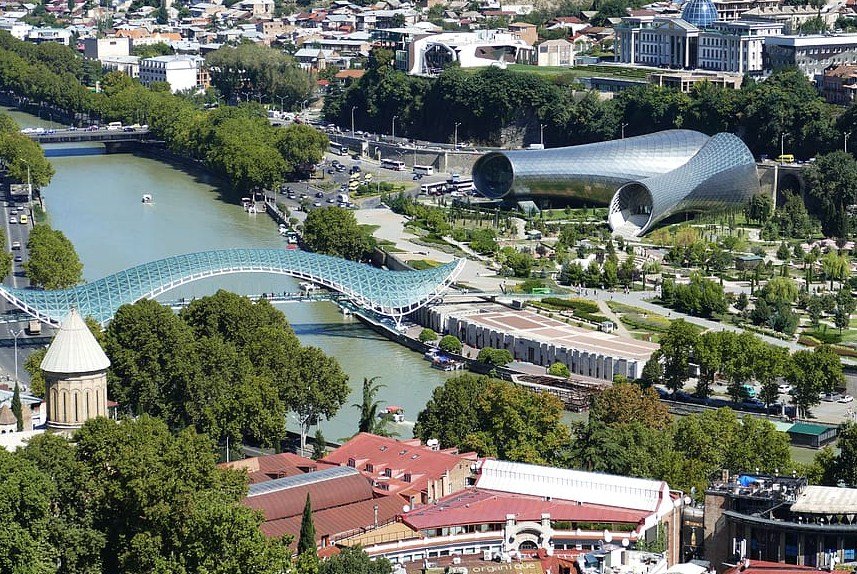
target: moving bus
423 170
461 184
393 164
436 188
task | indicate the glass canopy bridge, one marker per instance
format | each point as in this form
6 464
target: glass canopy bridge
389 293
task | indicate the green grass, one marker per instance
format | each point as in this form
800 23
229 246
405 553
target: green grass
548 72
423 264
641 322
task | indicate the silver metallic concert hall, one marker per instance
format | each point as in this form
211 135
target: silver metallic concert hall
644 179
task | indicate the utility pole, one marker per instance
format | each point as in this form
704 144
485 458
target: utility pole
393 137
782 144
15 335
352 120
624 125
845 141
455 137
542 134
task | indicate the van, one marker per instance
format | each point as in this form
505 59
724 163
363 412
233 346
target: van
786 158
748 391
23 218
113 126
536 146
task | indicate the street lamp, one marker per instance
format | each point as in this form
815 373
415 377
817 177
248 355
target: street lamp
845 141
29 185
455 137
542 134
15 335
782 144
624 125
352 120
393 137
282 104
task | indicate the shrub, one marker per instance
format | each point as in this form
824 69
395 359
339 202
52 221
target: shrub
559 370
494 357
427 335
450 344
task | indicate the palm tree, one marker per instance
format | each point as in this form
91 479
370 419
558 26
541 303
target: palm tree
369 420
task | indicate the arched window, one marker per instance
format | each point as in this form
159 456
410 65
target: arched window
98 403
86 398
65 406
76 408
54 410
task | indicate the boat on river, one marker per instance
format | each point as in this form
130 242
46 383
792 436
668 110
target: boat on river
393 413
147 199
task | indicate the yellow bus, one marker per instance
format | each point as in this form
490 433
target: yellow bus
786 158
23 218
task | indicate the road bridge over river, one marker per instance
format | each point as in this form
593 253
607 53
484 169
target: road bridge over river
86 136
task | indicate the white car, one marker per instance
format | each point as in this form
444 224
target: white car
784 389
16 245
846 399
13 219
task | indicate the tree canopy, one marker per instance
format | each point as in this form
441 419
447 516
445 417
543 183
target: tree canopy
495 418
334 231
53 262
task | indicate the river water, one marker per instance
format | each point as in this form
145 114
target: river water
94 199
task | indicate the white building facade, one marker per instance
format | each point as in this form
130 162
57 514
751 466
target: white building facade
478 49
811 54
181 72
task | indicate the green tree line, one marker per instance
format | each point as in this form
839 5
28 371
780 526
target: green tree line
486 101
236 142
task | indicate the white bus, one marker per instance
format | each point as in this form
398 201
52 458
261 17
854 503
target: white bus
393 164
460 184
423 169
436 188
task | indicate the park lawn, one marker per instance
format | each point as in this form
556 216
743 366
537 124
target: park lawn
423 264
548 72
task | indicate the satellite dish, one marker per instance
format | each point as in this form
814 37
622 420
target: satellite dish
406 508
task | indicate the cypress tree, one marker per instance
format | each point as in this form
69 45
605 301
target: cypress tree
16 407
306 542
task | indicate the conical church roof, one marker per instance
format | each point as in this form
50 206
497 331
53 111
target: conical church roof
74 349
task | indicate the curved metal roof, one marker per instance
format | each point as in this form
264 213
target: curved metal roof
722 174
390 293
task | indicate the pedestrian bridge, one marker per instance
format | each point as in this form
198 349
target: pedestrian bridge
389 293
83 136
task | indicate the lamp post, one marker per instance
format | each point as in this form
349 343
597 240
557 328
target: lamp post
282 104
782 144
15 335
352 120
845 141
29 185
393 137
624 125
455 137
542 134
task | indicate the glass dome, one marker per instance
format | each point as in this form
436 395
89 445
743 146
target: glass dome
700 13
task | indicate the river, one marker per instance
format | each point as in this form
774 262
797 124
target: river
94 199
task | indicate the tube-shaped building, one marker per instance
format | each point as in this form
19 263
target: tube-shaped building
722 174
644 179
589 173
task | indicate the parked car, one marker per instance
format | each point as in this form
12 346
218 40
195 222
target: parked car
319 194
846 399
784 389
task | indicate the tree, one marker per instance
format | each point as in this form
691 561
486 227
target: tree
53 262
16 408
832 180
306 541
779 289
811 373
770 363
759 208
495 418
676 345
353 560
427 335
835 267
783 252
317 388
334 231
595 447
450 344
653 370
494 357
559 370
814 310
319 445
626 402
846 462
707 354
369 420
302 146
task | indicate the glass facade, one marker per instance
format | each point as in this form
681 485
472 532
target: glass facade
700 13
722 174
589 173
390 293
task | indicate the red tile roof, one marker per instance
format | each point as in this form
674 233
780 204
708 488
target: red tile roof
760 567
377 456
337 523
263 468
326 494
353 74
568 19
478 506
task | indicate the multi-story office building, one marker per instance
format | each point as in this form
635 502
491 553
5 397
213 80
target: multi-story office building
676 43
731 10
811 54
838 84
180 72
